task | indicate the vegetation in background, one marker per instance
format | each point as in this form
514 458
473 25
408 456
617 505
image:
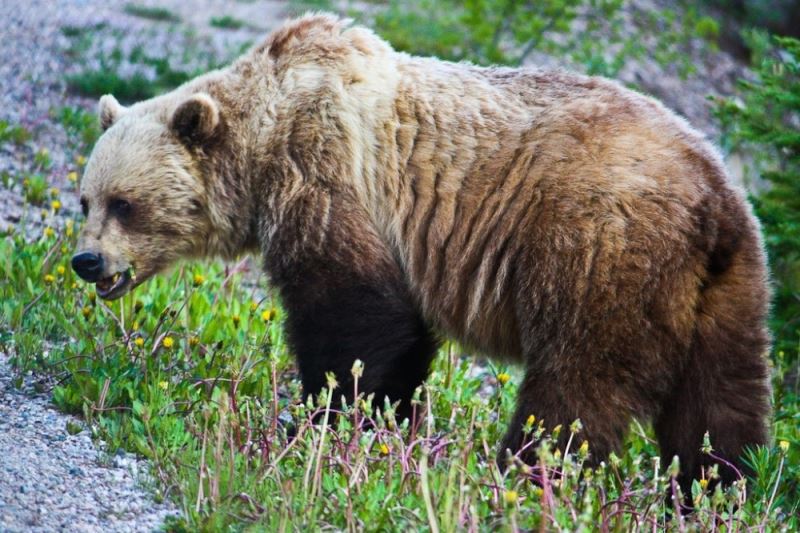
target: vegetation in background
227 22
146 74
587 33
152 13
192 369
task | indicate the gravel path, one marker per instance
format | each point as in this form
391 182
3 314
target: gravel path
51 480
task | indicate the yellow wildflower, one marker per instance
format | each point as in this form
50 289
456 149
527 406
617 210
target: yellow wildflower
253 307
164 385
56 205
74 285
583 451
531 420
43 214
169 342
198 280
49 278
784 446
194 341
384 449
703 484
72 176
503 378
54 191
135 324
48 232
139 342
511 497
92 296
537 491
266 315
236 320
81 160
61 270
86 311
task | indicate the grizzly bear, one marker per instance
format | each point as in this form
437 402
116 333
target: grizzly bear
549 219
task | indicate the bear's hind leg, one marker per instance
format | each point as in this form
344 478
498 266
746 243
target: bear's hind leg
724 388
557 398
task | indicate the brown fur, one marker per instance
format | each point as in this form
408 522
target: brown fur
558 221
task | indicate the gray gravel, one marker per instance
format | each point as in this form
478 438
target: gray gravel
53 481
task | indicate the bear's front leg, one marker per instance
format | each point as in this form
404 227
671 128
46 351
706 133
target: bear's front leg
346 299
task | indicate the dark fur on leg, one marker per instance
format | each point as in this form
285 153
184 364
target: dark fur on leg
348 300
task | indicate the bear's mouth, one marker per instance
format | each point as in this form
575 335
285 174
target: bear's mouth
114 286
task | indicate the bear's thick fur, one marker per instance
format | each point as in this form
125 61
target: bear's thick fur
558 221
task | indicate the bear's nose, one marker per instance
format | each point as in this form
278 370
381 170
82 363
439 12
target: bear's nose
88 265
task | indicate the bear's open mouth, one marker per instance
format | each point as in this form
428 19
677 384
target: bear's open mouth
114 286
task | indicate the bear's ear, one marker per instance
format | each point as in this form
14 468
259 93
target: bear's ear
109 110
196 119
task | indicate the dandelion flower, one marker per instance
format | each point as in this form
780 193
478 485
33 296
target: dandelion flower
139 342
784 446
253 307
384 449
81 160
703 484
531 420
54 191
198 280
169 342
266 316
55 205
163 385
194 341
503 378
48 232
61 270
49 278
511 497
72 176
86 311
583 451
135 324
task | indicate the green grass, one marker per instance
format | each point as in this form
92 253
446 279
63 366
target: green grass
152 13
192 371
147 75
227 22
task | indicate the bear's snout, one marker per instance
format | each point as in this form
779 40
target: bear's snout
88 265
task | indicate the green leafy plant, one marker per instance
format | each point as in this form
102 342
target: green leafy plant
227 22
152 13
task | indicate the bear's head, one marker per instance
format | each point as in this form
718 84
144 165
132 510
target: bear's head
144 192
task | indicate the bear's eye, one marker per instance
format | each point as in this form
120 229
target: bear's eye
85 207
119 207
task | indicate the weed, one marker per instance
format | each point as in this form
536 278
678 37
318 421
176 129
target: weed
227 22
152 13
